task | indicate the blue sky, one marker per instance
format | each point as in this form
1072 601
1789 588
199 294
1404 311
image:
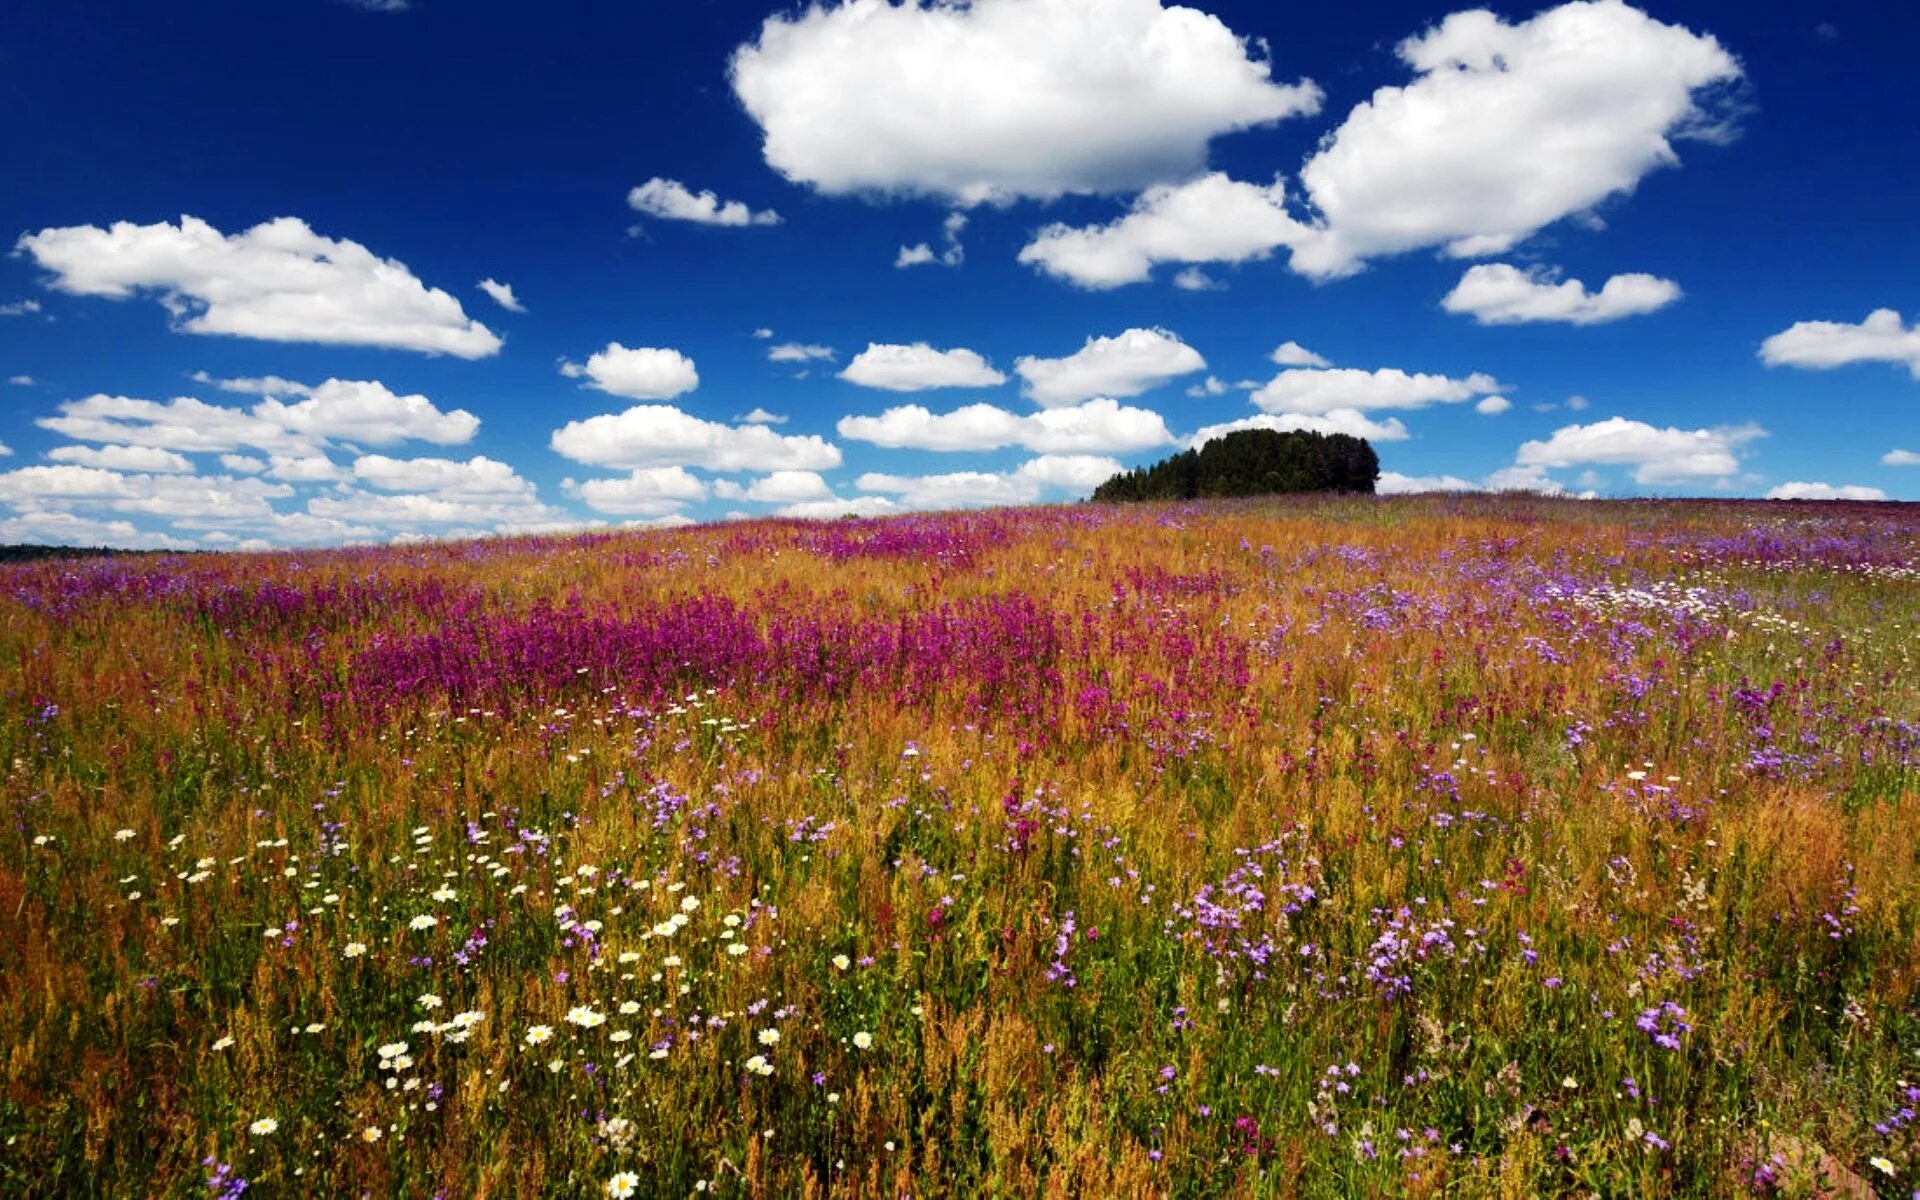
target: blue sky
1127 208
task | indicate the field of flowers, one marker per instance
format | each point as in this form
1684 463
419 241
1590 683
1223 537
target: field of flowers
1444 846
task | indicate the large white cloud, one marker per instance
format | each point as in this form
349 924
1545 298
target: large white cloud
658 435
279 281
1500 294
1882 337
636 372
1507 128
1900 458
1001 98
671 200
1657 456
1324 390
1123 365
917 367
1212 219
830 509
1823 491
1095 427
1349 421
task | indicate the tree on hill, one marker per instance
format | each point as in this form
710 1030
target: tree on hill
1253 462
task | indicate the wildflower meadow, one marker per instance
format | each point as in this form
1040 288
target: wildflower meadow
1442 846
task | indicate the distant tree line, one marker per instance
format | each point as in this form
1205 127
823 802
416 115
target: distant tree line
24 552
1253 462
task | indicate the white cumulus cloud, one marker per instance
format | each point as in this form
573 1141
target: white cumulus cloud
1883 337
278 281
671 200
1001 98
149 459
1324 389
1095 427
1212 219
658 435
1657 456
798 352
502 294
636 372
1507 128
917 367
1126 364
1293 354
1500 294
1340 420
1823 491
646 491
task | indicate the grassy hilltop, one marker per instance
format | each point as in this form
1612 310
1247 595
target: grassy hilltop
1441 846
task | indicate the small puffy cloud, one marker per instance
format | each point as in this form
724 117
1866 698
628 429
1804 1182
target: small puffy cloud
1212 219
1321 390
869 96
1193 279
760 416
150 459
671 200
478 477
1076 473
1499 294
1493 406
6 451
1823 491
368 411
1900 458
1531 478
1095 427
502 294
638 373
243 464
1126 364
1393 483
650 491
19 308
379 6
1339 420
1507 128
1657 456
923 254
798 352
780 487
21 380
308 467
658 435
1882 337
918 367
1293 354
264 385
278 281
763 333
